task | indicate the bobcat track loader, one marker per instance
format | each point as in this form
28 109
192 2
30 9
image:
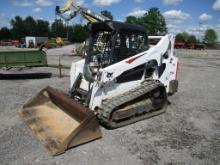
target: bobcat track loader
123 79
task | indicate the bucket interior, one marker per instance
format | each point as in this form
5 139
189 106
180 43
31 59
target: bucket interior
53 117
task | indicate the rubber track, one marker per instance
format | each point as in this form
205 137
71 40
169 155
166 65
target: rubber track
110 104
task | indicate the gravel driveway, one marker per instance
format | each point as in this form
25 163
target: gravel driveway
188 133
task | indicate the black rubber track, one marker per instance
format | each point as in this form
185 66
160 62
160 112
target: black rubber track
147 87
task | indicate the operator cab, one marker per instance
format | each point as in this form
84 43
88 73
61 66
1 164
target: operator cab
111 42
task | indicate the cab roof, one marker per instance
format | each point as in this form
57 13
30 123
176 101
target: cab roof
118 26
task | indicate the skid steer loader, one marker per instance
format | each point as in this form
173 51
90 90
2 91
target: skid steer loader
125 77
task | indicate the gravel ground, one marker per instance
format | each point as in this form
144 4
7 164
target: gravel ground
188 133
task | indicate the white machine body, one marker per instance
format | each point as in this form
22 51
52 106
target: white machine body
105 86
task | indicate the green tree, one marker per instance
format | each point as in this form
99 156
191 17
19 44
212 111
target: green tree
5 33
107 14
42 28
180 37
58 29
78 33
18 28
211 37
132 20
184 37
30 26
153 21
192 39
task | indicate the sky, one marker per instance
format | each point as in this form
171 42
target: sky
192 16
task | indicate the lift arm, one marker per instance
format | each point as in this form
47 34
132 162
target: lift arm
75 9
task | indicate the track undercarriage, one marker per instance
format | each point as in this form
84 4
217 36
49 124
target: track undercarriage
146 101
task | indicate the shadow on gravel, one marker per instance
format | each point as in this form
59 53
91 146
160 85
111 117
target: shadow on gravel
22 76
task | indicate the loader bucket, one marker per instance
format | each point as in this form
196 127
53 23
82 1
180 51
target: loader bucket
58 121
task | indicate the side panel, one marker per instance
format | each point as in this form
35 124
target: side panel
76 68
23 59
170 73
110 90
155 53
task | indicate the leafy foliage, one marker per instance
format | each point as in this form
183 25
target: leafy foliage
5 33
186 37
42 28
180 37
192 39
107 14
58 29
132 20
28 27
210 37
77 33
31 27
18 28
153 21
